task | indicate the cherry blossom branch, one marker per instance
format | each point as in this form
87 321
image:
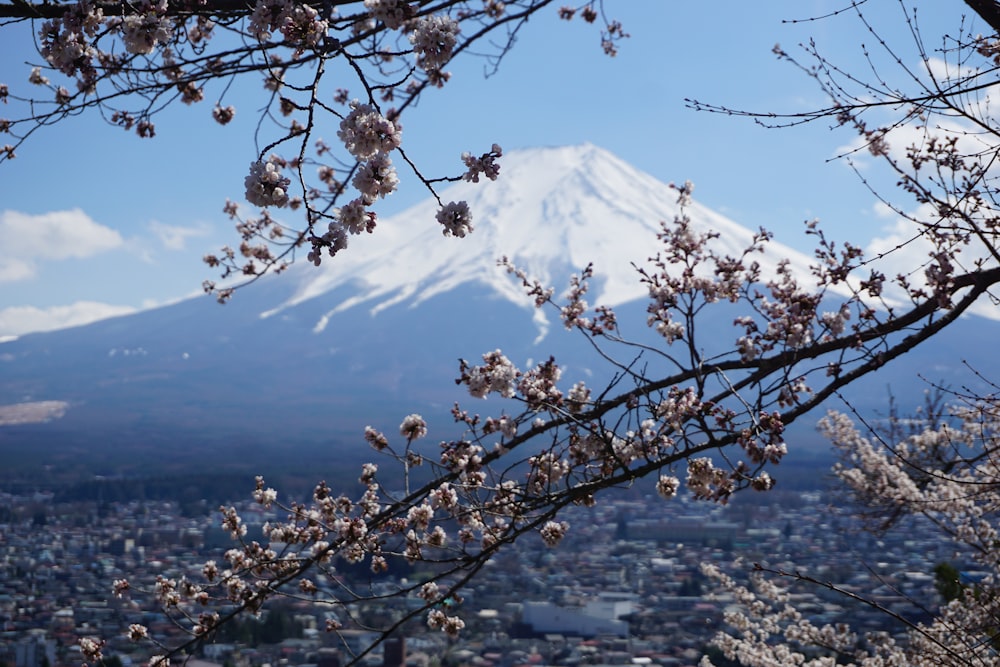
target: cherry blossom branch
131 61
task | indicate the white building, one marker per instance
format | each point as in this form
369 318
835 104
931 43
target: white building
547 618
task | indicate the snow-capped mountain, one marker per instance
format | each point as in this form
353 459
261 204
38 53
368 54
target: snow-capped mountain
552 211
308 358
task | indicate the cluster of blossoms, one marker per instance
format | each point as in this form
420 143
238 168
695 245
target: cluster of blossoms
572 312
678 406
223 115
376 178
413 427
450 625
689 268
766 443
485 165
66 43
433 39
354 217
143 31
667 486
505 425
37 78
553 532
946 472
707 481
201 31
547 469
538 386
265 184
497 375
367 133
791 313
393 13
369 137
456 219
299 23
463 458
578 398
91 649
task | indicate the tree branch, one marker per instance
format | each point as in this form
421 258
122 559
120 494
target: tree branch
988 10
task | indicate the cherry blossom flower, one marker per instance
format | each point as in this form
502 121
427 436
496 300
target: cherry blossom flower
375 438
667 486
434 38
366 132
393 13
143 31
485 165
498 375
455 218
413 427
265 185
223 115
91 648
354 217
37 77
553 532
376 178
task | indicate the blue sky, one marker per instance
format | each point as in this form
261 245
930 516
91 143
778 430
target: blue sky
95 221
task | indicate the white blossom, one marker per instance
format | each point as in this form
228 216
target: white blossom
265 185
366 132
36 77
484 164
433 40
354 217
455 218
390 12
667 486
413 427
223 115
91 649
141 32
376 178
497 375
553 532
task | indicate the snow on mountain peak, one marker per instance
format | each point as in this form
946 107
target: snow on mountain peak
552 211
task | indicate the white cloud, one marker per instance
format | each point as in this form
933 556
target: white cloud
19 320
13 269
899 249
25 239
174 237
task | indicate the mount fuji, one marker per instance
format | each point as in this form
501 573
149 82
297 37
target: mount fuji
296 365
552 211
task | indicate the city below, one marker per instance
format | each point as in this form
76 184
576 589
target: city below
624 587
